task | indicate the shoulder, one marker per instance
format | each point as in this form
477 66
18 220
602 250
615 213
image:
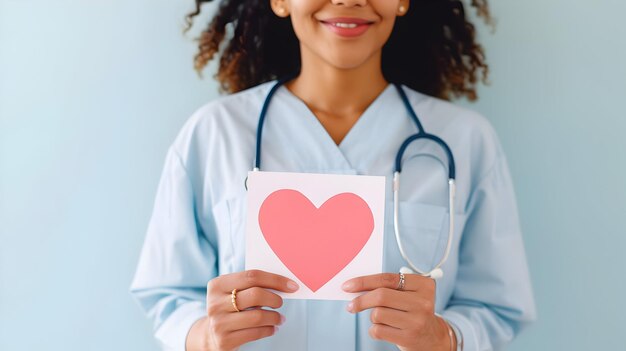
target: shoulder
443 114
467 131
228 118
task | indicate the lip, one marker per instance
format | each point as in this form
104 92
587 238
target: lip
347 20
362 25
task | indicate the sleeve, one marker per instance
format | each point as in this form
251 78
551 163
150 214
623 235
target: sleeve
176 261
492 299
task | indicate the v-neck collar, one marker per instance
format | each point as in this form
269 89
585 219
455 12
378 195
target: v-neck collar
353 134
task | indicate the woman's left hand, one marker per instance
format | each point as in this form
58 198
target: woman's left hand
404 317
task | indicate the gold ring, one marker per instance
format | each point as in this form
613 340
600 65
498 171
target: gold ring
401 282
233 299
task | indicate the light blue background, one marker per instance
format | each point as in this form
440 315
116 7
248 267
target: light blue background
93 92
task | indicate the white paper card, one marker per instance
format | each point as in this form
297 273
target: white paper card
317 229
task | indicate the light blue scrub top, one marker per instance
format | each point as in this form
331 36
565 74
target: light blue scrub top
196 231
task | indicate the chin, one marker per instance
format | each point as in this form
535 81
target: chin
347 61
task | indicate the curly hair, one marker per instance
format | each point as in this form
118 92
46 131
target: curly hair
432 49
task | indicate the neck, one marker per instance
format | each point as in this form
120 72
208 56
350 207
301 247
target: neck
338 91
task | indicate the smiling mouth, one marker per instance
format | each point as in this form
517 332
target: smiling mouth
348 29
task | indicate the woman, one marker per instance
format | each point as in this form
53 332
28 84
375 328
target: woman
337 112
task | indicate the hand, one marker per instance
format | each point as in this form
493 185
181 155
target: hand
405 317
226 329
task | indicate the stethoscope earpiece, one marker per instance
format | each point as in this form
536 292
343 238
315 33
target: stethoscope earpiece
435 274
406 270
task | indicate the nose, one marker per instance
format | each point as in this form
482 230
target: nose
349 3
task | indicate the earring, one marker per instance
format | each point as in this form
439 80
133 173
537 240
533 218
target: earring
281 11
402 8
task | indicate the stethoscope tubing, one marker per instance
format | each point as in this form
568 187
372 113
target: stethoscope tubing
436 272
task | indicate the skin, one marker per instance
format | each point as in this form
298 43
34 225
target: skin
340 78
404 317
226 329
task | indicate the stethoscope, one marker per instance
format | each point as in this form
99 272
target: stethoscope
436 272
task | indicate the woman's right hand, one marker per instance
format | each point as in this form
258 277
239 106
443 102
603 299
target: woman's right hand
225 329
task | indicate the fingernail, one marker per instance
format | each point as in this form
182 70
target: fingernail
350 306
348 285
282 319
292 285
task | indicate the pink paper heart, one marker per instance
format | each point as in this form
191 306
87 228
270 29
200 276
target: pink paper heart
315 243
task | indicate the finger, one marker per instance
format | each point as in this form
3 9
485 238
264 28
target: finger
247 279
239 337
412 282
250 319
382 297
391 317
390 334
255 297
